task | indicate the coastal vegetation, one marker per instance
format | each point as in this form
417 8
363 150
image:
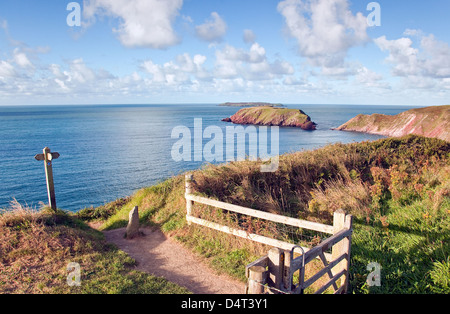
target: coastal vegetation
398 190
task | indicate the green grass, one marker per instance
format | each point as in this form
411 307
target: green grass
410 250
397 189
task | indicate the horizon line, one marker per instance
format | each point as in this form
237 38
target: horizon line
209 103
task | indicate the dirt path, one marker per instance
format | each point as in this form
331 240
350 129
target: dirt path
160 256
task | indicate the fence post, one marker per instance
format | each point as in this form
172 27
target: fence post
256 280
342 221
287 280
347 243
189 203
276 263
338 248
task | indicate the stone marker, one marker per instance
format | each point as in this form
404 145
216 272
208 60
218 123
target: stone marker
133 224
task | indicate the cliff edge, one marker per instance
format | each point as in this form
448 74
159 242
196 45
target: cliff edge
428 122
270 116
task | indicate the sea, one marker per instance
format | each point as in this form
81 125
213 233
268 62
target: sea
111 151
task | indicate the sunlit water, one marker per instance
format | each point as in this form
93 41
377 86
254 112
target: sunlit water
111 151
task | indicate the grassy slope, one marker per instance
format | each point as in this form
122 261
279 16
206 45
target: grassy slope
36 248
397 189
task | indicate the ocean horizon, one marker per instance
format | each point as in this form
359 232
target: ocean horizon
111 151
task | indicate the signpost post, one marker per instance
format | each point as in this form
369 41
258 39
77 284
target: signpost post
48 157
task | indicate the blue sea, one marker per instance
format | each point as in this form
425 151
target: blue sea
111 151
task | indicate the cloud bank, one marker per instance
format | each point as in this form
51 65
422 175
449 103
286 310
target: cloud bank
324 31
143 23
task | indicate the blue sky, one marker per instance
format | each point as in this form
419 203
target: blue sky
212 51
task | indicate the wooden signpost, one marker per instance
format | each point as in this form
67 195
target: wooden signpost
48 157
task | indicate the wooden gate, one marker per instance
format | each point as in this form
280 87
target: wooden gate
274 273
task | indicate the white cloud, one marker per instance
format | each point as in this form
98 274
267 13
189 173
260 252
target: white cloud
6 70
324 29
79 72
431 59
235 70
21 59
56 71
212 30
183 70
232 62
369 78
402 55
155 70
436 57
16 68
257 54
77 78
61 84
143 23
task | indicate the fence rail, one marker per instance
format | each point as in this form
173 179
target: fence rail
263 215
276 270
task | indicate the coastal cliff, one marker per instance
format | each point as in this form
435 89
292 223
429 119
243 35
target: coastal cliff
250 104
429 122
270 116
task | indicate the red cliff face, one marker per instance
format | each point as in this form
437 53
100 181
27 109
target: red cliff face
428 122
273 117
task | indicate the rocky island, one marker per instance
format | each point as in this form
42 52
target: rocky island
250 104
428 122
270 116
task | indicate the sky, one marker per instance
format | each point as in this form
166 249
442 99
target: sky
388 52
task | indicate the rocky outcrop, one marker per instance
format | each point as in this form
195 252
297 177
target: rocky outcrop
270 116
250 104
428 122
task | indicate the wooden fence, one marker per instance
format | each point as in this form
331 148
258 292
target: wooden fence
274 272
